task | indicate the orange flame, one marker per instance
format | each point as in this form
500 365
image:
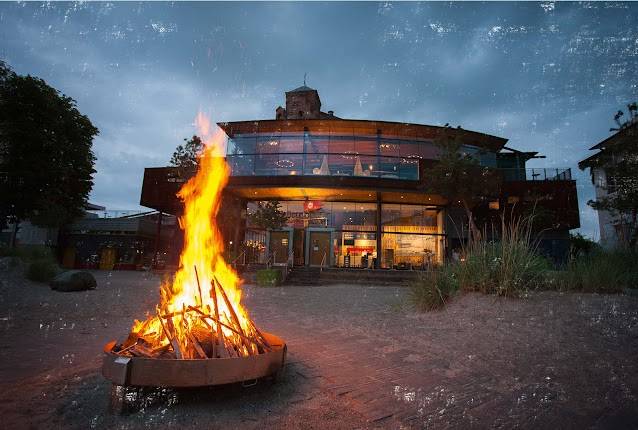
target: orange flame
203 248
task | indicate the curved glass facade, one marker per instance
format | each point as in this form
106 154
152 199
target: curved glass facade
309 154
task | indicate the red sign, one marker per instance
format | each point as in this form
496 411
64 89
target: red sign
312 205
360 249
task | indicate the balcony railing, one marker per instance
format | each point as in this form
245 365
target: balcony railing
537 174
328 164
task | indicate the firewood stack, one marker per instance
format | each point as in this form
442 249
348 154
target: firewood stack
196 332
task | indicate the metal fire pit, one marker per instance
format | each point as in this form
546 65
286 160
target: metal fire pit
155 372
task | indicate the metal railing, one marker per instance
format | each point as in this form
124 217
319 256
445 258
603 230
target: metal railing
242 255
323 261
536 174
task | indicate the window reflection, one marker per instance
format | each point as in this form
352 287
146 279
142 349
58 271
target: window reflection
327 154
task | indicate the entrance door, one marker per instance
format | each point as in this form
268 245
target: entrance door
319 247
279 246
298 245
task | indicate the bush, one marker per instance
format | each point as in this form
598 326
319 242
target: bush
506 267
433 289
601 272
27 252
42 270
268 277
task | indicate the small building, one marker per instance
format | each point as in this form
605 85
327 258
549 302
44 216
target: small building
614 229
353 190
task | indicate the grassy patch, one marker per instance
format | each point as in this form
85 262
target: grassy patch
433 289
601 272
268 277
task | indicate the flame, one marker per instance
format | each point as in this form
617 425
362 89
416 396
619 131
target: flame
201 265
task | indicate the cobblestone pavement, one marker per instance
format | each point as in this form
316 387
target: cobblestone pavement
358 358
548 361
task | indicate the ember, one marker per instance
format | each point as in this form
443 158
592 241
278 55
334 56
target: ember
200 315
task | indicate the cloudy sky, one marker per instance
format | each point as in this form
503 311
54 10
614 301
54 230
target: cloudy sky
548 76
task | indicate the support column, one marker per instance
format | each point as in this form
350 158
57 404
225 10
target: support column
158 233
377 264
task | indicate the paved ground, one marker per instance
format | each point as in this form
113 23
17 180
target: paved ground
358 358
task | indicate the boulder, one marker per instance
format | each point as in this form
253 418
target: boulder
73 280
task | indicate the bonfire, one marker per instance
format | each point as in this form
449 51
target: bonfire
199 315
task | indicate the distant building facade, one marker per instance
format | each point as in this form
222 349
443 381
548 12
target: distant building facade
353 189
614 229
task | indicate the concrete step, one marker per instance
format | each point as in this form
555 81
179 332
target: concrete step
329 276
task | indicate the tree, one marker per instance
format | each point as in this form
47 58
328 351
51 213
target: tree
459 177
186 155
269 216
620 163
46 157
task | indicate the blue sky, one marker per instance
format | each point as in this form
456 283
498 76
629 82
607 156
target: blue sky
548 76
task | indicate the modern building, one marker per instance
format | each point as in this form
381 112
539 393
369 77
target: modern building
117 240
614 228
353 190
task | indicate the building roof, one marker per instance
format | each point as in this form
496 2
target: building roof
359 127
627 133
301 89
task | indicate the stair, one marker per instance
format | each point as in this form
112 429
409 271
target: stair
306 276
302 275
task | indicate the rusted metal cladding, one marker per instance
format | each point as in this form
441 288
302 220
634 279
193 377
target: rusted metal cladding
151 372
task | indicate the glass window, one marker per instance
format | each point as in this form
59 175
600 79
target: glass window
341 164
266 164
408 219
289 164
241 165
409 169
268 144
389 167
353 249
409 251
342 144
291 143
366 145
242 144
318 144
389 148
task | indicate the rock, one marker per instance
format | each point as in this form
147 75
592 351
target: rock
73 280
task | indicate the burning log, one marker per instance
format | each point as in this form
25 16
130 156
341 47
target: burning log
188 323
195 338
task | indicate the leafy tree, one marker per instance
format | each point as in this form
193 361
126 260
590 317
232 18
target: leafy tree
620 163
46 157
459 177
186 155
269 216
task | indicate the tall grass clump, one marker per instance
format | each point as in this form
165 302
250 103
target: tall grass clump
433 288
601 272
506 266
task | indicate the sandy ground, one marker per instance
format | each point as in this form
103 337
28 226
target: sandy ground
551 360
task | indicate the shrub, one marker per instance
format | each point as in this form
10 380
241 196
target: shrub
433 288
508 266
42 270
268 277
601 272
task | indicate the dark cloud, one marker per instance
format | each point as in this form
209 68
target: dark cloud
548 76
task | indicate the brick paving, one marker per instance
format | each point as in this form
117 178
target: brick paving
549 360
358 358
